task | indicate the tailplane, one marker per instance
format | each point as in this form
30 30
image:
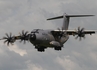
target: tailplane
66 19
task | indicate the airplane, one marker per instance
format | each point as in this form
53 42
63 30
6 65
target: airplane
43 39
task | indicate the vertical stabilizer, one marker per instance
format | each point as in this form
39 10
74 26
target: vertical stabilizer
65 22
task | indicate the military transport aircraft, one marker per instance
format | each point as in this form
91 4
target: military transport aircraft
43 39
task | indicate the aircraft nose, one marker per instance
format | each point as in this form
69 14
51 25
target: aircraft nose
32 37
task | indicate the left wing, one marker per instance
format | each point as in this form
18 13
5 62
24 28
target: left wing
74 32
80 33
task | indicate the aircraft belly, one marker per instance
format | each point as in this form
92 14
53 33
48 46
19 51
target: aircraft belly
41 43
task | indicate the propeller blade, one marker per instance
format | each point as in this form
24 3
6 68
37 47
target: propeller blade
7 35
5 41
76 37
26 32
10 34
78 28
22 32
12 44
4 38
80 38
8 43
82 29
19 33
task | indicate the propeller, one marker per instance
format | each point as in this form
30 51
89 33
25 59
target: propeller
61 32
24 36
9 39
80 33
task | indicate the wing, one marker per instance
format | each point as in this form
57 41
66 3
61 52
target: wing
73 32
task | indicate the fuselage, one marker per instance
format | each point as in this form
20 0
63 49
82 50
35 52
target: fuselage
45 37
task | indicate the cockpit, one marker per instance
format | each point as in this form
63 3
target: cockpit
36 30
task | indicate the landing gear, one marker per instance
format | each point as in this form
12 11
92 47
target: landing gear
58 48
40 49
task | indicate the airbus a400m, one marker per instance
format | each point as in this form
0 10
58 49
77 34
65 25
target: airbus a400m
43 39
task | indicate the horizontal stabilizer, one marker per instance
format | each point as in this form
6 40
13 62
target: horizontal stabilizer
69 16
79 15
55 18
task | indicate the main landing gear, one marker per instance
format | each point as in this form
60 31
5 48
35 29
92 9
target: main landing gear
40 49
58 48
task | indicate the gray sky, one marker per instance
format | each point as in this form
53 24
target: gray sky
18 15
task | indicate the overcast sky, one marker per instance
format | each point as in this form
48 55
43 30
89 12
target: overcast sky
18 15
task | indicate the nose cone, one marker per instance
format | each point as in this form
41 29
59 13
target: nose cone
32 37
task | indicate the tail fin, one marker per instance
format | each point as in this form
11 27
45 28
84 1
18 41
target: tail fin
66 19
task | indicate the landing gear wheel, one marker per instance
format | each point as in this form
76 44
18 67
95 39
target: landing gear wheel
40 49
57 48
